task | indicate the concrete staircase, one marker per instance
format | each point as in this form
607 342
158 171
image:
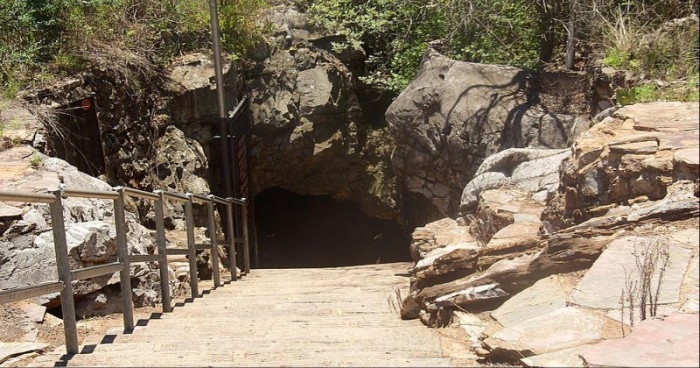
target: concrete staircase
282 317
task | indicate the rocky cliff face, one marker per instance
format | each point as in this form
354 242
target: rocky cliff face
311 136
315 130
455 114
126 89
568 258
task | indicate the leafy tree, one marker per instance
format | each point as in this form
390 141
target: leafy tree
393 33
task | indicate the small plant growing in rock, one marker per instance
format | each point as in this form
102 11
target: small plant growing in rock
643 288
36 161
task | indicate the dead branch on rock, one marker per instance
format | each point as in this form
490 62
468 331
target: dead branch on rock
644 289
653 257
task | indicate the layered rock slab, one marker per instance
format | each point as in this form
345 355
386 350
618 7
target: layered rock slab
630 157
660 342
545 296
618 266
560 329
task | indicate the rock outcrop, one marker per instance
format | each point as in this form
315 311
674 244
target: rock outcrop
630 157
626 206
125 88
26 248
310 133
455 114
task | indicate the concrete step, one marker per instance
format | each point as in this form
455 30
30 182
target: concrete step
295 317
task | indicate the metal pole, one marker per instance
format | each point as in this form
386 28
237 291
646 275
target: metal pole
162 254
246 239
61 248
223 124
214 256
123 255
192 251
231 241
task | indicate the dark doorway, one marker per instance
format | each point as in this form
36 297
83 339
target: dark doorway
318 231
76 137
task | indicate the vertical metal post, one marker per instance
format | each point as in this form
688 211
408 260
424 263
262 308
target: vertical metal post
212 243
214 21
223 124
123 255
231 240
162 253
246 251
189 220
64 275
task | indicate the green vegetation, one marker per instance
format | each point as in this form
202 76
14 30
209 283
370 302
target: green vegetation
44 38
650 92
396 33
521 33
36 161
646 40
393 33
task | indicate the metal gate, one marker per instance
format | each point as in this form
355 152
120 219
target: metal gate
237 132
76 138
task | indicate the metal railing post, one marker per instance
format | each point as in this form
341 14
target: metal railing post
162 253
246 248
64 274
189 220
123 255
231 240
212 243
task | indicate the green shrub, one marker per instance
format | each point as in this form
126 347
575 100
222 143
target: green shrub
394 33
677 91
59 37
241 28
616 58
656 37
495 31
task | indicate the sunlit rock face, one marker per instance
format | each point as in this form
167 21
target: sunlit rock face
455 114
311 135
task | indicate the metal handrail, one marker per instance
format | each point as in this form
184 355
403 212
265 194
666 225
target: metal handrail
118 194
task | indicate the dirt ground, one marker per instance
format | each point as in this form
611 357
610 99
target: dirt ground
26 321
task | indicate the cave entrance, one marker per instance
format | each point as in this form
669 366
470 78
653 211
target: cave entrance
317 231
76 137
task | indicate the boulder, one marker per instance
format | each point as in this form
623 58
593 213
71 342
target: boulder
12 349
499 208
180 163
455 114
545 296
180 166
622 263
437 234
525 169
26 247
632 156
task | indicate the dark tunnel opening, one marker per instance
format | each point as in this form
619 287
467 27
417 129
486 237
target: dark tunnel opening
318 231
